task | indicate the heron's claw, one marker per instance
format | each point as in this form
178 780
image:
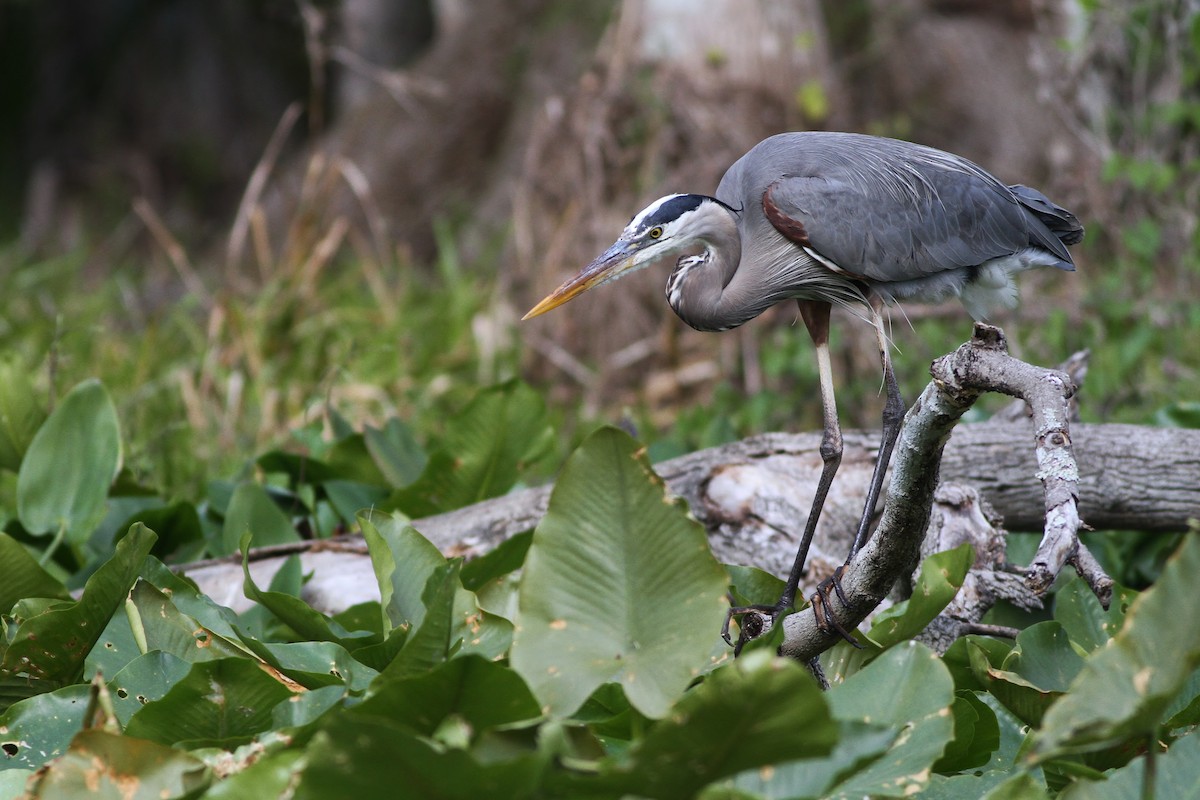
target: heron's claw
820 606
752 627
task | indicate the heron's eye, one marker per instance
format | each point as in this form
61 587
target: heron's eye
655 232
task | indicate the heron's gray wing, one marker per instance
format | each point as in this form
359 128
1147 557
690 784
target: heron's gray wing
895 221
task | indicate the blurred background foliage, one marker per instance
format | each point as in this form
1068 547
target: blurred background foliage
243 215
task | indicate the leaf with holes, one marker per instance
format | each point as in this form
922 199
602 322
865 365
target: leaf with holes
54 644
219 703
108 765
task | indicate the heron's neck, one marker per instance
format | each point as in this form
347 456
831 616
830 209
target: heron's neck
706 265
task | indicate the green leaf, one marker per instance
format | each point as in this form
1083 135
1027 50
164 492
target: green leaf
403 560
396 452
940 579
109 766
271 776
220 703
485 450
299 615
1085 620
908 689
499 562
39 728
356 756
316 664
481 692
20 412
430 643
12 783
54 644
70 464
161 626
757 711
619 585
976 735
143 680
21 576
857 745
1019 787
1176 774
1125 688
252 510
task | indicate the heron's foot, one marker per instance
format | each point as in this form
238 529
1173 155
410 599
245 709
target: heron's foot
755 620
820 601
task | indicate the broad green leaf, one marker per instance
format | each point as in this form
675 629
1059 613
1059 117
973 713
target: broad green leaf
1033 674
21 576
70 464
940 578
1176 774
905 688
299 615
1086 622
396 452
159 625
305 708
349 498
485 450
189 600
315 664
403 560
357 757
351 459
857 745
1125 688
143 680
20 412
753 586
483 693
109 766
501 561
758 711
1020 787
969 785
54 645
269 777
12 783
219 703
180 536
619 585
976 735
251 510
432 642
39 728
1045 657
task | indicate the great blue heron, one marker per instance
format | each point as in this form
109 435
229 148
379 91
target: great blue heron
838 219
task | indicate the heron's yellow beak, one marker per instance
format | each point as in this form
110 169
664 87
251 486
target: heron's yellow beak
609 265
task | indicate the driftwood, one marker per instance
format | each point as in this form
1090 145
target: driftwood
753 496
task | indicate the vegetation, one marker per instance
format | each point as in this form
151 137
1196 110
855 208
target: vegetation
167 412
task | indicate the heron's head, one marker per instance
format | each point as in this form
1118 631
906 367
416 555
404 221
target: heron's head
667 227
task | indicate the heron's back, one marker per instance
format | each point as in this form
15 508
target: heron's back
907 220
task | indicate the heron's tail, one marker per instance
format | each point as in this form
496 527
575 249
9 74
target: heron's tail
1062 223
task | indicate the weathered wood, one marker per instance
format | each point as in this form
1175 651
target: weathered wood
753 496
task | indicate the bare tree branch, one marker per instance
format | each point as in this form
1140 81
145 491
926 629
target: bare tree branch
981 365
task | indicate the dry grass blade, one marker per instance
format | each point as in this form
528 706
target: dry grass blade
255 187
175 251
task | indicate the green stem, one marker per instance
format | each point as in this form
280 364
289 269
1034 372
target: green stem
1149 775
59 536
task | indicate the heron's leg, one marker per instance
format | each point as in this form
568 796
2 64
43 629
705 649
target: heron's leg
816 319
893 416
